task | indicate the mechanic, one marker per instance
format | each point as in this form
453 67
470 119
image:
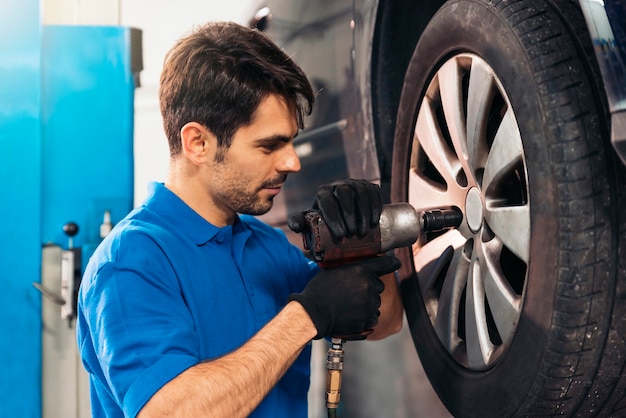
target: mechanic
191 306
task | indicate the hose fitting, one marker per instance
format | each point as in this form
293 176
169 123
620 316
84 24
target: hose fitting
334 365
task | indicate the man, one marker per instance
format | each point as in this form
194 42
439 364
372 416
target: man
191 307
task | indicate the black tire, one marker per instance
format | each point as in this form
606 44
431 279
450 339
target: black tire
559 348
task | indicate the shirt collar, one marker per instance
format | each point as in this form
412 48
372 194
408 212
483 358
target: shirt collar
179 215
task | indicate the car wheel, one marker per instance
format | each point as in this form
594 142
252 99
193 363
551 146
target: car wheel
520 310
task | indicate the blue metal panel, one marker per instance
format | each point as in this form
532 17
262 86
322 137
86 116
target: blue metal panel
87 114
20 209
66 154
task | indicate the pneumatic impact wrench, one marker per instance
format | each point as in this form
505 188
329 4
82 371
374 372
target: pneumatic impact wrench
400 225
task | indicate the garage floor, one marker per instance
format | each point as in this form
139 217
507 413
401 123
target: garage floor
380 379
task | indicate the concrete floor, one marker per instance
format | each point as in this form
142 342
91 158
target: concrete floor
380 379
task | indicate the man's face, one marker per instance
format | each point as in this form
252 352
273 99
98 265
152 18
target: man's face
256 165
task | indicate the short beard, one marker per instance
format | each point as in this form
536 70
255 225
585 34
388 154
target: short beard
251 204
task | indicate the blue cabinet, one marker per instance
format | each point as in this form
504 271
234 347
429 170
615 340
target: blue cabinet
66 155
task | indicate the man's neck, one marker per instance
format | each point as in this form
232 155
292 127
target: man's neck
189 189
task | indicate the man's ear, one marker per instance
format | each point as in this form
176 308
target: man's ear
198 143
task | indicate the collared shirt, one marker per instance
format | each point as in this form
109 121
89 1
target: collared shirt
167 290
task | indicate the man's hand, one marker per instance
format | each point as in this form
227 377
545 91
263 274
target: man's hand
348 207
344 300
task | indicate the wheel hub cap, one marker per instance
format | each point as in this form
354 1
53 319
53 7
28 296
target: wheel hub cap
474 209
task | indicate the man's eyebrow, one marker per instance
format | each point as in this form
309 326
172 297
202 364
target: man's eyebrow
274 139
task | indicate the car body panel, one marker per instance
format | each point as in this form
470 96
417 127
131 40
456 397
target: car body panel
606 23
336 123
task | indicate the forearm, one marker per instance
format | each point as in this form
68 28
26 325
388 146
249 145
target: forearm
391 309
235 384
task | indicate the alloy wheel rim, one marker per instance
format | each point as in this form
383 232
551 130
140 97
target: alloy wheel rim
467 153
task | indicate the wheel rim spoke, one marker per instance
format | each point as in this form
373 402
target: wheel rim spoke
516 239
432 250
451 90
500 296
480 91
505 153
446 322
506 149
435 147
479 346
424 192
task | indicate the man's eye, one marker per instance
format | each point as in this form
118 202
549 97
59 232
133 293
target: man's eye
270 147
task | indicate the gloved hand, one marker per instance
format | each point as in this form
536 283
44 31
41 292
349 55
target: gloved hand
348 207
344 300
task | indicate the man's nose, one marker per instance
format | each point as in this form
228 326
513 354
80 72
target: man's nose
290 162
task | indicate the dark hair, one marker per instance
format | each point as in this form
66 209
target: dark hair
218 75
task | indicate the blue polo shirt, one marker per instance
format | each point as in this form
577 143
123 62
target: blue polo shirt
167 290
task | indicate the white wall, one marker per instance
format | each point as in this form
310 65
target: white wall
162 23
81 12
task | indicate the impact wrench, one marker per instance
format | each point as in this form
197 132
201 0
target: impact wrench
400 225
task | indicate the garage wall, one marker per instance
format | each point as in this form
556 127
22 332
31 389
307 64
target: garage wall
80 12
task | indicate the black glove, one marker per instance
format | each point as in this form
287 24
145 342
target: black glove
343 301
348 207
